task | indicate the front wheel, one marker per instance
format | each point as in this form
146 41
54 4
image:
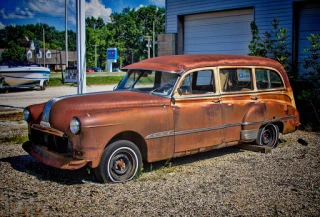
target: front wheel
121 161
268 136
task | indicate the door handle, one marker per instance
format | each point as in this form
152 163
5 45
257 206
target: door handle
254 98
217 101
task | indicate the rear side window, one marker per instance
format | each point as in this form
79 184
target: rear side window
268 79
238 79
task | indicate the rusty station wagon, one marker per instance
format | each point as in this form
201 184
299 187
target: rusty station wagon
164 107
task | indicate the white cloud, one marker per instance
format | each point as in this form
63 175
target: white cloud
159 3
17 14
94 8
2 25
140 6
54 8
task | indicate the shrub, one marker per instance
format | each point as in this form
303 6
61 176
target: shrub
274 44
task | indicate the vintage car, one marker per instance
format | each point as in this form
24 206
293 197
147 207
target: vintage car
164 107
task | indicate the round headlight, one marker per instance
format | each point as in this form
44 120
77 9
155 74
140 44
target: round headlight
26 114
75 125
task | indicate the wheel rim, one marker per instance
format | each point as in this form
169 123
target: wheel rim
122 165
266 137
269 136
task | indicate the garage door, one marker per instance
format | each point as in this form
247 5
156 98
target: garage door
221 32
309 23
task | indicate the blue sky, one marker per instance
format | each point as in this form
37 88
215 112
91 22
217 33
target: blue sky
22 12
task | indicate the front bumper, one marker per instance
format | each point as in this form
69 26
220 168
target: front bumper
51 158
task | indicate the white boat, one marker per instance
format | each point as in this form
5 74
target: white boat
24 76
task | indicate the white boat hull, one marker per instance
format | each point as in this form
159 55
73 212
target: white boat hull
25 75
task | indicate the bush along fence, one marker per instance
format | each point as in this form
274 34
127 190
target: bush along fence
274 44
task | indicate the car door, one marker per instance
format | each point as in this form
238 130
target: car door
197 112
239 101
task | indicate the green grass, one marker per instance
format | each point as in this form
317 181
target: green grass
103 80
15 139
14 116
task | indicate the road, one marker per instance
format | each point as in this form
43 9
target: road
18 99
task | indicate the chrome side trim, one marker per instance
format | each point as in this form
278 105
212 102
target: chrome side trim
268 121
247 135
160 134
172 133
206 129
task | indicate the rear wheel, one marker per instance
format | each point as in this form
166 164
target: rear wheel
268 136
44 86
121 161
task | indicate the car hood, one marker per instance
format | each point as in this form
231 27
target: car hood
59 111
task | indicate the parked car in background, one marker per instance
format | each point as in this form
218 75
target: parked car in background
89 70
97 69
165 107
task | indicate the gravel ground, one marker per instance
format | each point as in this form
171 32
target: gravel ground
225 182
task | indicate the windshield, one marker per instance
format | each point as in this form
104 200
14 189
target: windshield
153 82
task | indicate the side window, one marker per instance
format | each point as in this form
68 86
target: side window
146 81
268 79
238 79
200 82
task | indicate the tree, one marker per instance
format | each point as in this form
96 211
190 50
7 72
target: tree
94 23
274 44
13 52
129 29
256 46
312 62
53 38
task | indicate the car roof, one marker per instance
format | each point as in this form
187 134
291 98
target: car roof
182 63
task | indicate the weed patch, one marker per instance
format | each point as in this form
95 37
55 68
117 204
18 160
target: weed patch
16 116
15 139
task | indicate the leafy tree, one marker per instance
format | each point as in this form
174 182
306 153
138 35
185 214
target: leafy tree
126 32
312 62
277 45
129 29
13 52
256 46
274 44
94 23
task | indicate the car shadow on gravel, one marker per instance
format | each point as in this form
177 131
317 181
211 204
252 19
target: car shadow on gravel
215 153
29 165
17 89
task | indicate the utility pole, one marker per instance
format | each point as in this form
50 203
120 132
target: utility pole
153 52
148 38
66 32
44 48
81 46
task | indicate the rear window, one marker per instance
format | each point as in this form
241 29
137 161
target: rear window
268 79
